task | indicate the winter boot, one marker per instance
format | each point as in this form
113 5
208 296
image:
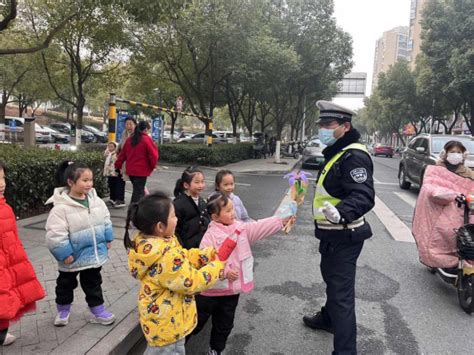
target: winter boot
62 319
101 316
9 339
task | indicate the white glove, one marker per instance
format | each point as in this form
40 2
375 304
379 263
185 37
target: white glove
331 213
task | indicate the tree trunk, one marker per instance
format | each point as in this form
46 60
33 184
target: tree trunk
2 118
174 118
80 118
472 118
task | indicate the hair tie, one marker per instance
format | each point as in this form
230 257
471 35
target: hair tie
70 162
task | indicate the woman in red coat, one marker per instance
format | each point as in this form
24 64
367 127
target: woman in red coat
141 155
19 287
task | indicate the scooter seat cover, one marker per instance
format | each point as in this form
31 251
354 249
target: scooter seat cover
437 216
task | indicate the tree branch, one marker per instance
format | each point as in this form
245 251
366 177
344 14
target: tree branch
50 80
10 17
44 45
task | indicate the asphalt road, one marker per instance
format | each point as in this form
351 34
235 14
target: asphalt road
401 307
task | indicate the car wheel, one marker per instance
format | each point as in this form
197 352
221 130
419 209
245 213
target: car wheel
390 156
422 177
402 182
94 140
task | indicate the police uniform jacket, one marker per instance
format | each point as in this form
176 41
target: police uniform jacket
350 180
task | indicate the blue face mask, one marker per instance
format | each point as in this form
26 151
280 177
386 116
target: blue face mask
326 136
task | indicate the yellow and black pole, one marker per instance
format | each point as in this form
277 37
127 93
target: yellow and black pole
210 126
112 117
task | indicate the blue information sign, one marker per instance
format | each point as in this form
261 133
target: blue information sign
156 128
120 125
12 125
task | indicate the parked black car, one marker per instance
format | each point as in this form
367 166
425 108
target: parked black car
86 137
99 136
424 150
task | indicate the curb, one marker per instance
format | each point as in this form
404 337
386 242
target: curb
165 165
122 338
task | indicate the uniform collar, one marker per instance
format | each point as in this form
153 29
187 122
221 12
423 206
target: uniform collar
350 137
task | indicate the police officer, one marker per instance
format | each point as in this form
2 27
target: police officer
344 194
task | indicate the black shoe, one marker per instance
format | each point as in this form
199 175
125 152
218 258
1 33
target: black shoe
119 204
317 321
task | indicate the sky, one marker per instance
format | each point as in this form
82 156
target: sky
365 21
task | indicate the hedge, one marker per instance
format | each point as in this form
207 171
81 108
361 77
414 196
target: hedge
199 154
192 153
30 175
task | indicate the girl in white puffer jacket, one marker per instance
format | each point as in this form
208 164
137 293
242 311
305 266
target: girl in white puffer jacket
79 234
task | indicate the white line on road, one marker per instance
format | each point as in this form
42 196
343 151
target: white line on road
406 197
378 182
397 229
212 182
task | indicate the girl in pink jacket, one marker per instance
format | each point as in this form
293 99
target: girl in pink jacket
221 301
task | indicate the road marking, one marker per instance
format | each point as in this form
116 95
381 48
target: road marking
212 182
406 197
395 227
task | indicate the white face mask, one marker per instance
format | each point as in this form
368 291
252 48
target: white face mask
454 158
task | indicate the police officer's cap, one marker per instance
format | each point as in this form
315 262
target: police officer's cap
329 111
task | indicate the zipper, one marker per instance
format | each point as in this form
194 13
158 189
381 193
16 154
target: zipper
96 252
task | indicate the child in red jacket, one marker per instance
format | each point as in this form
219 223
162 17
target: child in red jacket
17 295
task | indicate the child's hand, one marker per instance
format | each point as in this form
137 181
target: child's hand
232 275
291 219
69 260
109 245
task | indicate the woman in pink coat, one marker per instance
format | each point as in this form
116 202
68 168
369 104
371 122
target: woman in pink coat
221 301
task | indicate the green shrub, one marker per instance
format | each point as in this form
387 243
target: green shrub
199 154
30 175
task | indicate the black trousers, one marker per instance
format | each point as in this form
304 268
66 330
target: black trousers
120 189
138 183
3 335
222 310
91 282
117 188
338 268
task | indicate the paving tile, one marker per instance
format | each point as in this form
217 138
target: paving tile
65 333
45 347
76 344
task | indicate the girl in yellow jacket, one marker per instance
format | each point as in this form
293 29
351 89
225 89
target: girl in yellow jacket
169 275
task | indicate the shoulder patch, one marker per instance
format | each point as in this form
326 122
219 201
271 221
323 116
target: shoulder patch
359 175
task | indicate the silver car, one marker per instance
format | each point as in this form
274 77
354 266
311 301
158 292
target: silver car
313 155
199 138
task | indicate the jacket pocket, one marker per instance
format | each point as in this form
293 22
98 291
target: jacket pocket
362 233
247 270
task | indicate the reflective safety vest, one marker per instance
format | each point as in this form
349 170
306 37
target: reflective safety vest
321 195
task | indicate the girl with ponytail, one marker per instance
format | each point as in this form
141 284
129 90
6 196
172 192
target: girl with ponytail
190 207
78 234
141 156
169 275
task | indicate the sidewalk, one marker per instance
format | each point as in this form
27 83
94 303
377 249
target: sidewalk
263 166
36 333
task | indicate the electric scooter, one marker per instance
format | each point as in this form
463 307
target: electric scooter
462 277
